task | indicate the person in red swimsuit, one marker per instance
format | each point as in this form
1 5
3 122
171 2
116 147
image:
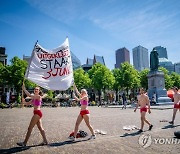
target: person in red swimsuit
36 119
143 100
84 113
176 104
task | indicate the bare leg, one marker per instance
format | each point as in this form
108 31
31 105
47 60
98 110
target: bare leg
41 129
147 121
142 119
78 121
86 119
33 122
174 114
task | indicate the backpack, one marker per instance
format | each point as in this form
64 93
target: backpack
177 134
80 134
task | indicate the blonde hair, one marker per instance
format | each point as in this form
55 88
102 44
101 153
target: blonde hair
142 89
40 91
85 91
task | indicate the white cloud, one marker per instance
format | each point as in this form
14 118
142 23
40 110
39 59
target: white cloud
148 24
64 11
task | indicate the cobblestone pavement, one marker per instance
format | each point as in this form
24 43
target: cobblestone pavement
59 123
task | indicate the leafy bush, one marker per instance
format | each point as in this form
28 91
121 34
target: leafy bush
2 105
19 99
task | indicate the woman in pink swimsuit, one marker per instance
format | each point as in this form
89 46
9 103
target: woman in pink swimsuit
36 119
84 113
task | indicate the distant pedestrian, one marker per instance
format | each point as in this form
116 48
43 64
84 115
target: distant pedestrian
153 100
143 102
7 97
155 97
176 104
124 100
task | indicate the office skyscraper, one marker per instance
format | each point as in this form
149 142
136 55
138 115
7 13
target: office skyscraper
177 67
164 62
122 55
162 52
140 58
163 59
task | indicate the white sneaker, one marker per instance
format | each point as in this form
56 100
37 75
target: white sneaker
93 137
71 138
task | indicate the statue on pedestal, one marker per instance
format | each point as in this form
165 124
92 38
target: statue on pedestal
154 60
156 83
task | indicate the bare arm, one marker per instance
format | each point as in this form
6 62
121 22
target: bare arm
26 92
148 103
26 103
44 96
76 98
76 90
79 99
136 106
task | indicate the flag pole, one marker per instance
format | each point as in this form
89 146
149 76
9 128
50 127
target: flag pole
27 72
32 54
22 96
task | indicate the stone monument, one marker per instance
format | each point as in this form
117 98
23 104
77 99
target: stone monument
156 83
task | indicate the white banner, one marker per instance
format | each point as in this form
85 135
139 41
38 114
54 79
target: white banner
51 69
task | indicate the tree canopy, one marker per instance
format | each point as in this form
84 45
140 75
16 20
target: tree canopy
129 77
101 76
81 78
167 78
143 78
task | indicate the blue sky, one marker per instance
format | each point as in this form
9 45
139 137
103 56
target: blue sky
93 26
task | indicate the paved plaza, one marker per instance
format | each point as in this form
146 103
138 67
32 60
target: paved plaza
59 123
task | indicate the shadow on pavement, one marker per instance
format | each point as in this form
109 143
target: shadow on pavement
14 150
17 149
170 126
66 142
130 134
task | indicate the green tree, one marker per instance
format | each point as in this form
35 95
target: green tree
102 78
175 77
13 74
29 84
81 78
50 94
1 73
116 73
5 75
143 78
167 78
129 78
17 71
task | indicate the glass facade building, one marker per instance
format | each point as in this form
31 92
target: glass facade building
177 67
75 61
140 58
164 62
162 52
